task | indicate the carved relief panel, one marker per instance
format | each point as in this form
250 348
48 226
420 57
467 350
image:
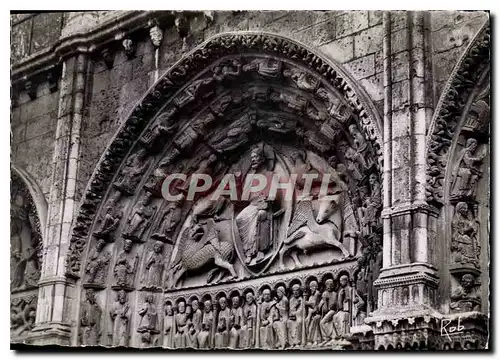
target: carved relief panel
22 315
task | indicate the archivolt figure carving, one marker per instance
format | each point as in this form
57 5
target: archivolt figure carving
181 323
313 314
465 244
296 317
97 264
207 235
153 270
132 173
465 298
90 320
120 316
467 171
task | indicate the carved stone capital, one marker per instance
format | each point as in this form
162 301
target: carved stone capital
406 209
410 287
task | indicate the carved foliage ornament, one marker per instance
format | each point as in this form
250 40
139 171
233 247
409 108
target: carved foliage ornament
177 77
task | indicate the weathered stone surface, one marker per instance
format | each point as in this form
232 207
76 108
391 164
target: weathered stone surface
363 67
341 50
368 41
351 22
144 272
20 40
375 17
46 30
374 85
401 70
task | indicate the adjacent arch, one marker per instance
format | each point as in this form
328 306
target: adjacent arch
27 223
36 194
457 146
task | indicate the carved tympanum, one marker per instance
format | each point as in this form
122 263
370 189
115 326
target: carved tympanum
246 114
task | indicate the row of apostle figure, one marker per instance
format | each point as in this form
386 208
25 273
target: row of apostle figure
277 319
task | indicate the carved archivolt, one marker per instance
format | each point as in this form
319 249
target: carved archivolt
464 176
240 104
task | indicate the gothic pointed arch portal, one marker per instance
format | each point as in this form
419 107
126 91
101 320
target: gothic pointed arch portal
239 103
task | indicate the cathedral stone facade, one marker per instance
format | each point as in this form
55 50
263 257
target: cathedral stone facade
393 106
